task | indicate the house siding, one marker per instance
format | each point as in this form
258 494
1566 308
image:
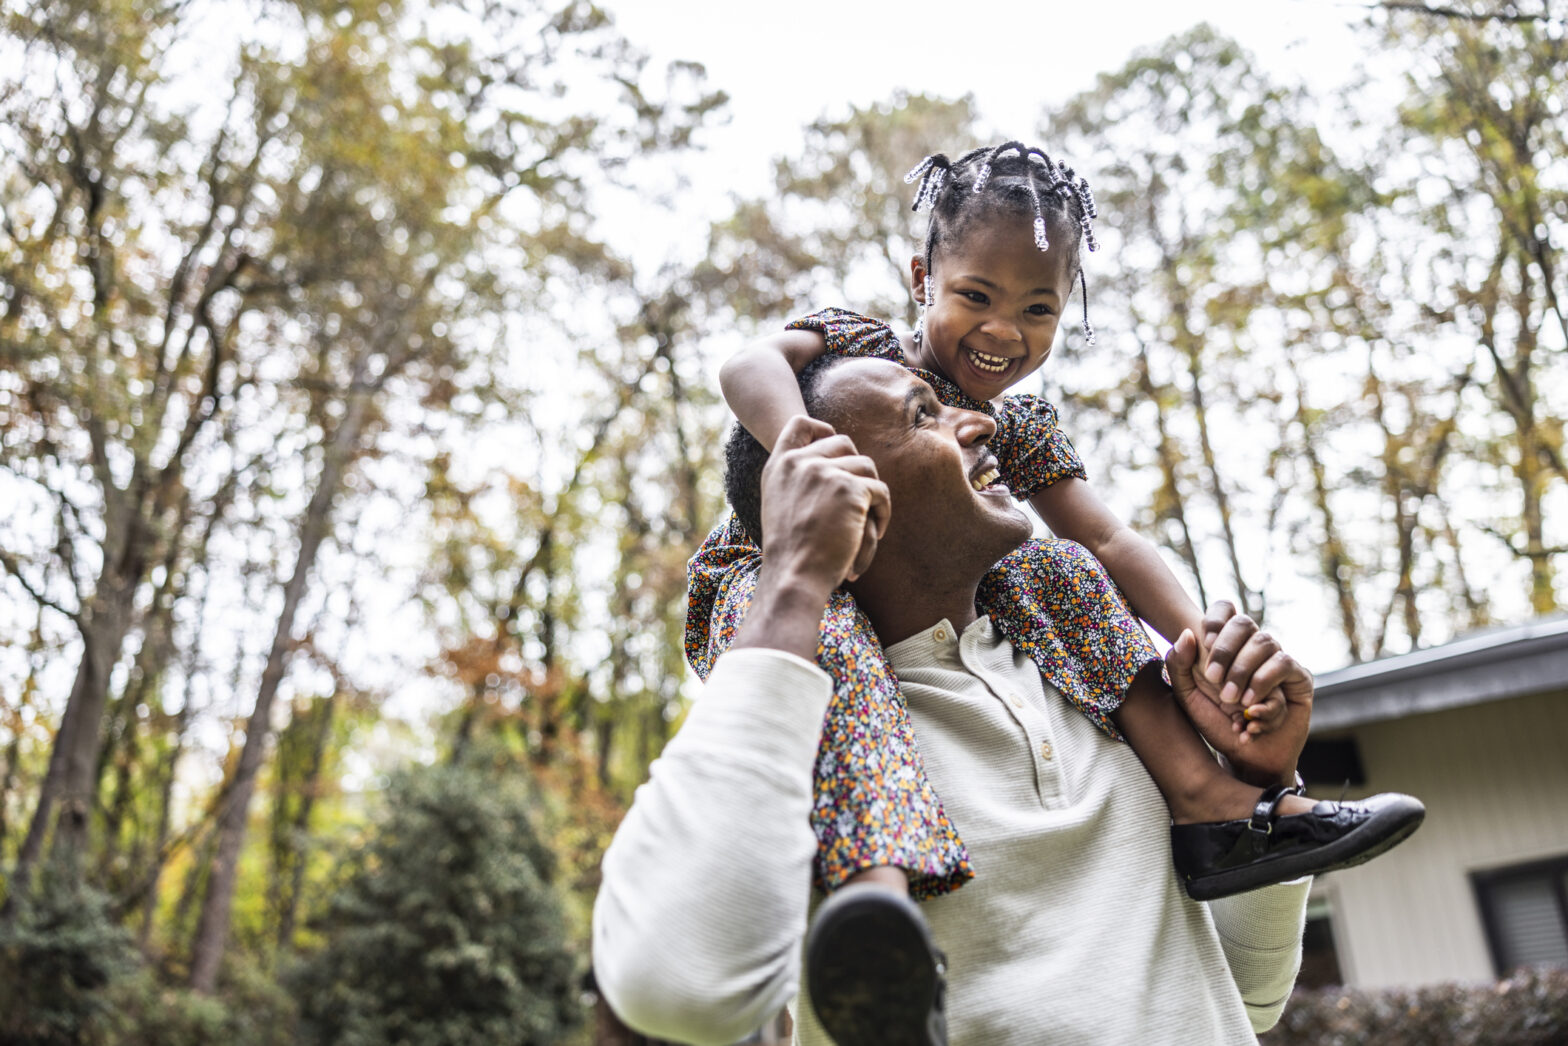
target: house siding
1494 779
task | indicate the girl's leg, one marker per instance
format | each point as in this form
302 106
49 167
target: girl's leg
1196 788
875 810
885 876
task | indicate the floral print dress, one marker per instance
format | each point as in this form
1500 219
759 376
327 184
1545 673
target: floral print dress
873 803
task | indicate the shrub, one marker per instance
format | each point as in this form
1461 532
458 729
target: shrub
59 951
447 928
249 1010
1528 1009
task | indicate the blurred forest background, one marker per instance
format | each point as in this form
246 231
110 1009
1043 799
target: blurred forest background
348 468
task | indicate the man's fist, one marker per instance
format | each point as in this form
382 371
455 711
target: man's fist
823 507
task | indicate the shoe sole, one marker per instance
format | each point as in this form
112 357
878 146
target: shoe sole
872 971
1385 830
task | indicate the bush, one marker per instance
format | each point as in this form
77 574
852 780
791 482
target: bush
447 929
1528 1009
59 951
250 1010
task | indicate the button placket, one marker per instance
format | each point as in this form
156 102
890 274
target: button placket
1047 778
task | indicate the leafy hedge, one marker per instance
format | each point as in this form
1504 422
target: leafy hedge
1528 1009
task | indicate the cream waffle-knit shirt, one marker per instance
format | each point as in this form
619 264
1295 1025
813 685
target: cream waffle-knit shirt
1075 929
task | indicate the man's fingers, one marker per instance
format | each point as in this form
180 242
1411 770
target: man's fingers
801 431
867 551
1253 655
880 510
1268 677
1232 636
1215 617
829 445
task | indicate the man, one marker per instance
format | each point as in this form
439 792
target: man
1076 928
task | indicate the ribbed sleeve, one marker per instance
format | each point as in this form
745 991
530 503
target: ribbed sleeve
1261 932
702 908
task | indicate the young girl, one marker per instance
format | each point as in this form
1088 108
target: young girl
1000 258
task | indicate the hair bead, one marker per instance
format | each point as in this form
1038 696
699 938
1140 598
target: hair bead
1083 284
920 169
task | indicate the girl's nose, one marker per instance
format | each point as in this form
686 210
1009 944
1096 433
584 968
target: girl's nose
1002 329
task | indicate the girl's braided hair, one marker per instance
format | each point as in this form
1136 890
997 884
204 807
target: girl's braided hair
1016 177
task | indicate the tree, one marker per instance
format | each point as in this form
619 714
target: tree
1484 119
447 929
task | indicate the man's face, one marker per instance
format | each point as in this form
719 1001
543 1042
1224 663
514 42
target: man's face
950 512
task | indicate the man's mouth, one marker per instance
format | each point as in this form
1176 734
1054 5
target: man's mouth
988 479
986 362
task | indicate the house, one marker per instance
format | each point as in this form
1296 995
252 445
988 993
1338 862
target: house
1478 729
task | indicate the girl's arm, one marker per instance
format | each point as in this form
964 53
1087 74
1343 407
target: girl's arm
1072 510
759 384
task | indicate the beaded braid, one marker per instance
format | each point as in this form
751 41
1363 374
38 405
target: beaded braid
940 178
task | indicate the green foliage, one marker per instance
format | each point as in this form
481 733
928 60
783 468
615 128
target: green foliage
250 1010
59 950
1528 1009
447 928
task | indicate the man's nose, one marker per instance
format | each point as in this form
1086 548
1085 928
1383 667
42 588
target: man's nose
974 428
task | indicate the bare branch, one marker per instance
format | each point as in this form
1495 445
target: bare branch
13 568
1514 17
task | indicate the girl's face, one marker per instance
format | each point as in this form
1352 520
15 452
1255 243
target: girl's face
997 301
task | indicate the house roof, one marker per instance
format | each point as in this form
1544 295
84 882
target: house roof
1517 661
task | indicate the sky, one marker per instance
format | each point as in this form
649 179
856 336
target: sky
785 64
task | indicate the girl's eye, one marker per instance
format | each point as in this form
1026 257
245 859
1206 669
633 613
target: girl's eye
975 296
1040 310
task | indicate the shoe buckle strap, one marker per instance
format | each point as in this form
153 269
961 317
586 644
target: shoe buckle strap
1267 810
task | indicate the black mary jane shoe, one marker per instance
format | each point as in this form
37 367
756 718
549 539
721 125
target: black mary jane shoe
1220 858
873 972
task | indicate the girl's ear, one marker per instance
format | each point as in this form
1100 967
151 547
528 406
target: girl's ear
917 279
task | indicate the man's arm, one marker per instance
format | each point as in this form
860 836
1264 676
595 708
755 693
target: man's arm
700 914
702 907
1260 931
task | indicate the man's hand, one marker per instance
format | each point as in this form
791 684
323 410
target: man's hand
1237 674
1260 759
823 512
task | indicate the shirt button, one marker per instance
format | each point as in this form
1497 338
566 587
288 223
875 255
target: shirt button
1015 700
941 635
1045 750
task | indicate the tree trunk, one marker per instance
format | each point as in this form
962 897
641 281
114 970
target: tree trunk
300 826
212 927
1175 506
73 759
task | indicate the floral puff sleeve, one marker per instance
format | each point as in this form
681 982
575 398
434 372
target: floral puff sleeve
851 334
1031 447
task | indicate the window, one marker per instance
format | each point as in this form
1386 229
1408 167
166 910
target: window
1319 957
1525 910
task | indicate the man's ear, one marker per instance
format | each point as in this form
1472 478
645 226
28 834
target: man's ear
917 279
